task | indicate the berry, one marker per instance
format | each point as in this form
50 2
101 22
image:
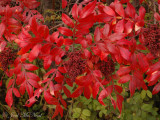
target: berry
75 65
7 57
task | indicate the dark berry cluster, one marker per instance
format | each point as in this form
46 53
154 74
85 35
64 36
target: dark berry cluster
152 39
75 65
7 57
11 3
106 67
4 3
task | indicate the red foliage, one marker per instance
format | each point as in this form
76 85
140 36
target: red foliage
91 65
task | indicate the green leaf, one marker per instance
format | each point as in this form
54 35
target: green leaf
143 94
147 107
86 112
76 115
77 110
149 94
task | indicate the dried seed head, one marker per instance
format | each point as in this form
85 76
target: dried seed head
7 57
152 39
107 68
75 65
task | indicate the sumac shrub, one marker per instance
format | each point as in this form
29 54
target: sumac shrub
73 54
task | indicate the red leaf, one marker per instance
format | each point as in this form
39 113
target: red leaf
2 29
125 53
22 88
63 102
132 86
77 92
124 1
130 10
51 88
154 68
97 34
119 9
30 67
157 16
109 11
124 79
117 36
64 3
31 4
29 89
106 30
67 20
65 31
60 109
49 99
66 91
128 27
88 9
143 63
95 89
33 83
120 26
43 31
118 89
124 70
142 12
113 103
51 71
97 73
10 83
119 102
34 52
47 62
55 112
2 45
87 92
68 41
154 77
30 102
102 95
156 89
16 92
62 69
75 11
9 98
32 76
